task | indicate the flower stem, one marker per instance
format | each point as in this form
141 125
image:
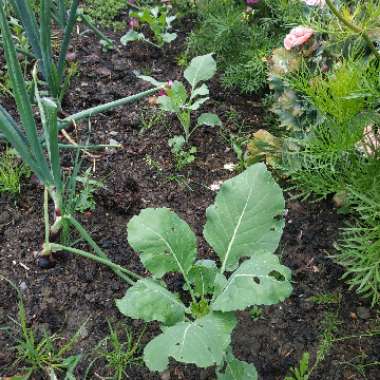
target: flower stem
353 27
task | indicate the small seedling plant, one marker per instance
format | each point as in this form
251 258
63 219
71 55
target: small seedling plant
11 172
243 227
159 22
178 100
84 200
182 156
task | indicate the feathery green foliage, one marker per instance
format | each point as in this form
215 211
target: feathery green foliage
11 172
241 40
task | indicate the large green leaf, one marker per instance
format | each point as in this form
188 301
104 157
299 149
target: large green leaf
209 119
131 35
169 37
201 68
165 242
202 342
198 103
177 96
167 104
261 280
246 218
200 91
237 370
150 301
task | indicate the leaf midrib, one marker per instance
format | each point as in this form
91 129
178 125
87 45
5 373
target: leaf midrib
169 246
228 252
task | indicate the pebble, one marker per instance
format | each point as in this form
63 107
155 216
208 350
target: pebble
83 332
23 286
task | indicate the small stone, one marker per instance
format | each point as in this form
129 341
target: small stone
44 262
363 313
23 286
83 332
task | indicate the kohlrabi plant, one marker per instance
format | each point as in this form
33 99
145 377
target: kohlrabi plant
244 227
159 22
178 100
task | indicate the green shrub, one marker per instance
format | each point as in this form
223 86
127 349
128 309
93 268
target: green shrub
340 155
241 39
106 13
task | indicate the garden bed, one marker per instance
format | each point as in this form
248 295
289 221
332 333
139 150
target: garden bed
141 175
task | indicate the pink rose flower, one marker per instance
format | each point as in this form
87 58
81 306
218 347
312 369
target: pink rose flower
297 37
315 3
133 23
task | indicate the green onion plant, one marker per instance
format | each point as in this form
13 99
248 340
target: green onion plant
38 31
41 152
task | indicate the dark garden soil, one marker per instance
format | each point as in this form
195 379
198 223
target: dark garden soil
61 299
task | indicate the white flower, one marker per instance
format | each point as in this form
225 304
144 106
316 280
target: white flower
230 166
315 3
215 186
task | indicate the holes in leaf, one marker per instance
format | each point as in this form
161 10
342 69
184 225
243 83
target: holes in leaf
256 280
277 275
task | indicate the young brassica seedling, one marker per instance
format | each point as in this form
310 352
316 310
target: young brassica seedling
182 103
158 20
244 227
